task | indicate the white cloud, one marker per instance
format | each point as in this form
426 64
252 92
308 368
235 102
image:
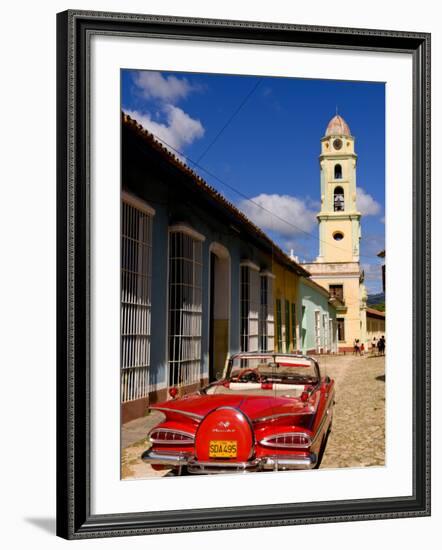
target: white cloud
366 204
153 84
269 211
373 272
373 277
178 131
372 243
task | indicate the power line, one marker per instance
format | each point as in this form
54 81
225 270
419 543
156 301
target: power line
232 116
241 194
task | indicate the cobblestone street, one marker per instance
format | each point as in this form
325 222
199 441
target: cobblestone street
358 435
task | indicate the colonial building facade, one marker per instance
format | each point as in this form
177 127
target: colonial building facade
200 281
337 267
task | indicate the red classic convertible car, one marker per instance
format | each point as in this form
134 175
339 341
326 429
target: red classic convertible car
268 412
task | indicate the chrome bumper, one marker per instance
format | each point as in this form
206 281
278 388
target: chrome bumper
267 463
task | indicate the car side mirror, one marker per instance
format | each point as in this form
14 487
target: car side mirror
327 380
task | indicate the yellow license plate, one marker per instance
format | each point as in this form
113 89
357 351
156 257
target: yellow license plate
223 449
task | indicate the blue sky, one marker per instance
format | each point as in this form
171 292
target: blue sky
260 138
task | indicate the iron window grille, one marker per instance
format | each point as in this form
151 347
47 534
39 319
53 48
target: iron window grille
287 326
318 331
266 318
341 329
293 326
325 331
185 308
279 324
136 267
250 308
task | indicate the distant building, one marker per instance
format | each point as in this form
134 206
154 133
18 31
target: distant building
375 324
337 267
200 281
318 323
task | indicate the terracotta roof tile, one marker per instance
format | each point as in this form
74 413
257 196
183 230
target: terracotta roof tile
375 312
337 127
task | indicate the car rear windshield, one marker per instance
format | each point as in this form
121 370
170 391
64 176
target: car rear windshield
275 367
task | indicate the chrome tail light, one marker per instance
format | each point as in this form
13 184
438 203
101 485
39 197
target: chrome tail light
293 440
170 437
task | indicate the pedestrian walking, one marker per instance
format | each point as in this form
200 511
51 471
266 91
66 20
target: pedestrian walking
374 346
381 345
356 347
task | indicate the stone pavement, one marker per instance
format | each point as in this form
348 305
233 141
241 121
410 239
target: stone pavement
134 442
358 435
137 429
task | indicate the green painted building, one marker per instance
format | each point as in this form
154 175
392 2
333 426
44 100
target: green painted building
318 331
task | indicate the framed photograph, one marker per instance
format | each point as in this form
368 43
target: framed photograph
232 350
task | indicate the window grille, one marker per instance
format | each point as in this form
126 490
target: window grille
266 319
263 315
318 331
325 331
249 308
279 324
332 335
341 329
136 262
293 325
185 308
287 326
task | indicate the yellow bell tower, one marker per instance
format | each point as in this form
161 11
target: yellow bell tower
337 267
339 220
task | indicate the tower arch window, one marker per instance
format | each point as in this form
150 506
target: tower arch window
338 199
338 172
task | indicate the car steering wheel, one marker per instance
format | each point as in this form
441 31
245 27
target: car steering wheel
256 374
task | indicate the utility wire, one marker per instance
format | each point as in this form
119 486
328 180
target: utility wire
241 194
229 120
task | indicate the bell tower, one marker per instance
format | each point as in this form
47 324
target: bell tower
337 268
339 219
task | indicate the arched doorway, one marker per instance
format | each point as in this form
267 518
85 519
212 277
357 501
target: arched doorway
219 319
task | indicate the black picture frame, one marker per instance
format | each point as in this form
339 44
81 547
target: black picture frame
74 518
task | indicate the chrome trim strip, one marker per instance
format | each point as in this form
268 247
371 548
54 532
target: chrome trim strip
185 413
326 416
231 465
289 463
279 415
273 416
166 459
274 462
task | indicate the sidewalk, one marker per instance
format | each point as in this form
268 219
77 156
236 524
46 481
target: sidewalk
137 429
